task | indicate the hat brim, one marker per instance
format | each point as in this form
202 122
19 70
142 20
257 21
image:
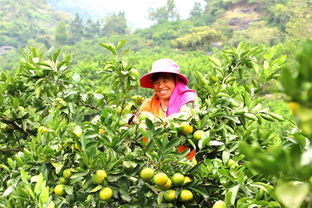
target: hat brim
146 79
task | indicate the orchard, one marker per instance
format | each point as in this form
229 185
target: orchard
65 141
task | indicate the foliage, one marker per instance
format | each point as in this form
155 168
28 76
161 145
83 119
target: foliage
115 24
165 13
199 38
257 33
64 121
21 21
297 85
61 34
299 25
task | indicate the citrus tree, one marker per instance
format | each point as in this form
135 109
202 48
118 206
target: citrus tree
64 144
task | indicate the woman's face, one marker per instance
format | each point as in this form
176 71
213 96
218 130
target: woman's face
163 85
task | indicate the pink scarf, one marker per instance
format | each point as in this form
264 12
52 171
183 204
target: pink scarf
180 96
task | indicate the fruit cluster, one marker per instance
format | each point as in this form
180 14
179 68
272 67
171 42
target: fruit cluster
98 178
163 182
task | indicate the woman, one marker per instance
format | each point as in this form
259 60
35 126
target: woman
172 98
171 94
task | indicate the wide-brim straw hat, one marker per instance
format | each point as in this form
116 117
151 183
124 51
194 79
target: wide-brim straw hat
161 66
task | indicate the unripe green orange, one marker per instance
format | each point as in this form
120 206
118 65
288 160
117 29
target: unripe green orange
170 195
199 134
186 195
160 179
146 174
99 176
106 193
62 180
177 179
67 173
219 204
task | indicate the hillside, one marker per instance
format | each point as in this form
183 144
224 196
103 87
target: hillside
218 23
21 21
81 7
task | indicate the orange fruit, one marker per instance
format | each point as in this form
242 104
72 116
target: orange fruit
199 134
62 180
160 179
167 184
177 179
186 195
293 106
187 180
101 131
99 176
67 173
106 193
146 174
59 189
170 195
219 204
186 128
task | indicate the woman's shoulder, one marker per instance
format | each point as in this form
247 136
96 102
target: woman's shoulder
149 101
195 102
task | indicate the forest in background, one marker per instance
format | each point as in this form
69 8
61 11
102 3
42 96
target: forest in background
216 24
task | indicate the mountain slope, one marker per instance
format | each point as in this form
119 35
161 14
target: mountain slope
21 20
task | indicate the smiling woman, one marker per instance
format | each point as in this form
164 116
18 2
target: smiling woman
170 89
172 98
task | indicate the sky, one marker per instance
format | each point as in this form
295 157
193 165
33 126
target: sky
136 11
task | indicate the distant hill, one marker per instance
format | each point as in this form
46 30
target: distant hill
22 20
83 8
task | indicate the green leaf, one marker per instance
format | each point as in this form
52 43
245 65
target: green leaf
110 47
95 189
150 125
76 77
173 143
202 191
56 54
292 194
231 194
39 179
30 191
160 197
129 164
225 156
121 43
58 167
69 189
11 163
215 62
44 195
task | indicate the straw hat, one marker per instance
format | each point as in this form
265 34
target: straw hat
162 66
